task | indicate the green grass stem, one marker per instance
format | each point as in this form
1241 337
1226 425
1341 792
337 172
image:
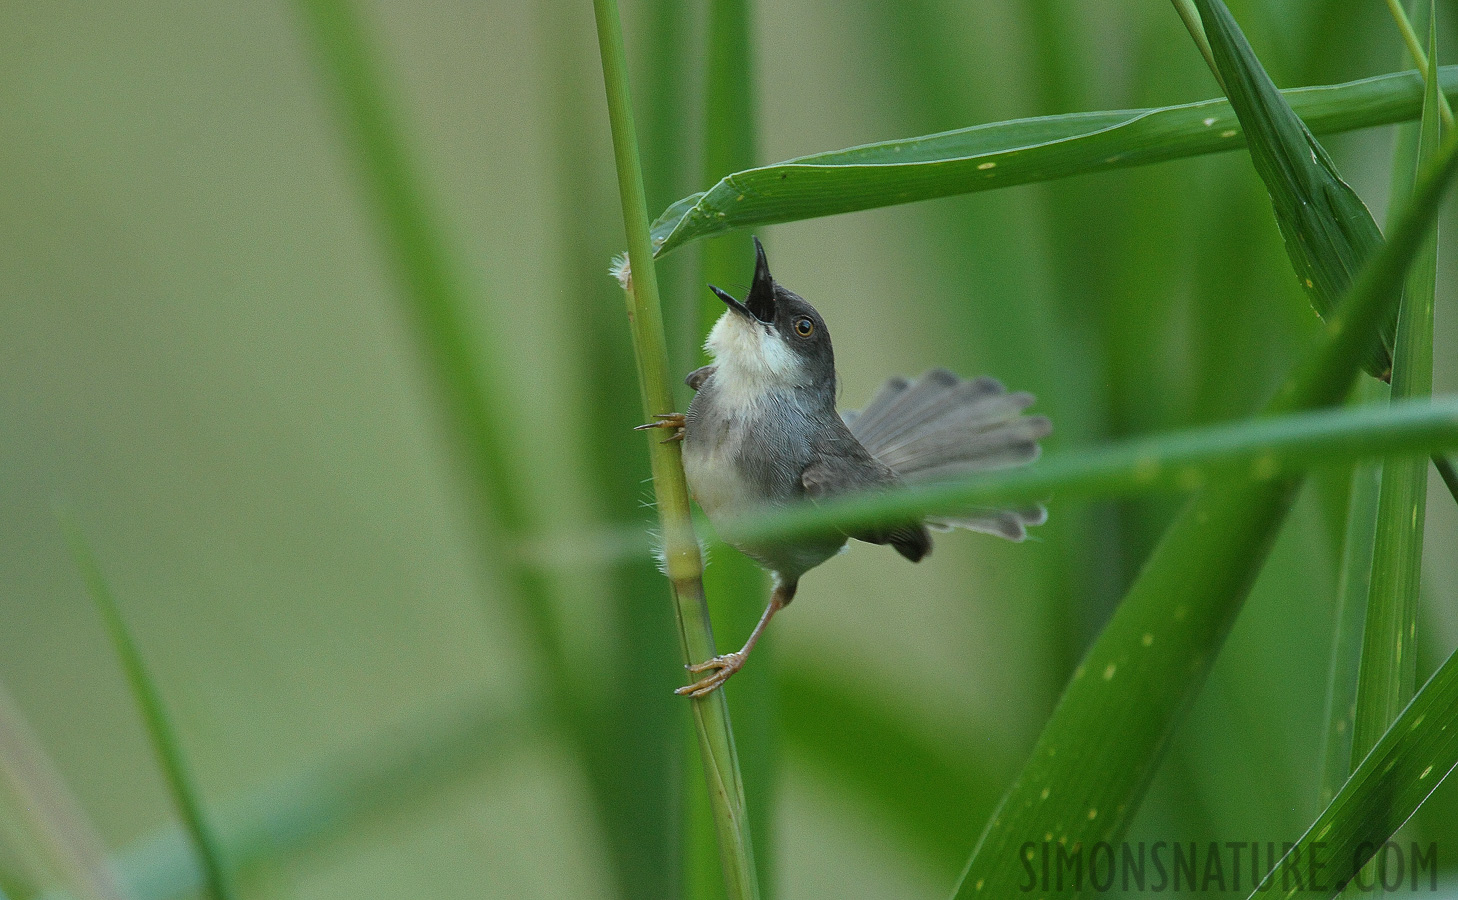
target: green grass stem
683 562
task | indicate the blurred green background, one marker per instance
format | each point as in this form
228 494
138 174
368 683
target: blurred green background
203 353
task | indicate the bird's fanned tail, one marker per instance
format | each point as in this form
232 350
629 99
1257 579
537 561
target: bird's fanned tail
941 427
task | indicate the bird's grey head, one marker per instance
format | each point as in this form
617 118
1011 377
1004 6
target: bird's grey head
774 341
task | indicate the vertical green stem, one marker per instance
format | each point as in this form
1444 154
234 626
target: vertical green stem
682 559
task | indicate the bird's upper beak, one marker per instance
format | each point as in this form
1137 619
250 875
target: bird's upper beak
760 304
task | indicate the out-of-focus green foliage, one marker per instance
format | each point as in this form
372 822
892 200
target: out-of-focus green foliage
207 356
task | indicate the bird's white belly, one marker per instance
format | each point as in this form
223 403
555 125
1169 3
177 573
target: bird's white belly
714 478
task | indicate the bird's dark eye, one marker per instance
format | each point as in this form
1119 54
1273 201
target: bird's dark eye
804 327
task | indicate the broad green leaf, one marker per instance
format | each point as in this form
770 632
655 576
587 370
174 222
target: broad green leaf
1099 751
1003 154
1389 650
1413 757
1328 231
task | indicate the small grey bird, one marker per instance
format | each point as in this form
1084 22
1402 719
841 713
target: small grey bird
762 431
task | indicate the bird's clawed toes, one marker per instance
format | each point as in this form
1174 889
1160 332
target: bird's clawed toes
719 669
675 421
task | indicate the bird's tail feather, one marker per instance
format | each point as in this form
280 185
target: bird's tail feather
940 427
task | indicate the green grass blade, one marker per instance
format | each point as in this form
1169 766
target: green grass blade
1265 449
1353 579
33 792
682 560
1328 231
1412 758
1389 651
175 767
1098 752
740 588
1003 154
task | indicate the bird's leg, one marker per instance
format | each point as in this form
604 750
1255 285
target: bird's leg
721 667
669 420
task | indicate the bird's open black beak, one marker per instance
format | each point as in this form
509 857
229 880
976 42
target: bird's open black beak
733 304
760 304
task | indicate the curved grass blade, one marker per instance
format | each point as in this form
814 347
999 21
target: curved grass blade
1415 754
1389 651
175 767
1016 152
1099 751
1329 232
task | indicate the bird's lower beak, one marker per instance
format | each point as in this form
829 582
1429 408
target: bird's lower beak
734 304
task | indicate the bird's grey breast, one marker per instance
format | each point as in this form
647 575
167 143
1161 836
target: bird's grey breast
742 452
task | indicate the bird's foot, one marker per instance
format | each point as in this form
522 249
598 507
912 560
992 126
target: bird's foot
719 669
676 421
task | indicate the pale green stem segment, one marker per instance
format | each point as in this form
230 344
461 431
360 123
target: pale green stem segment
682 559
1389 663
175 767
1415 49
1191 17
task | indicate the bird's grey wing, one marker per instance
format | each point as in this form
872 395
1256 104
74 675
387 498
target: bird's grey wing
697 377
942 427
842 470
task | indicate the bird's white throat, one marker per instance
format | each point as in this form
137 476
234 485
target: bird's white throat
753 360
